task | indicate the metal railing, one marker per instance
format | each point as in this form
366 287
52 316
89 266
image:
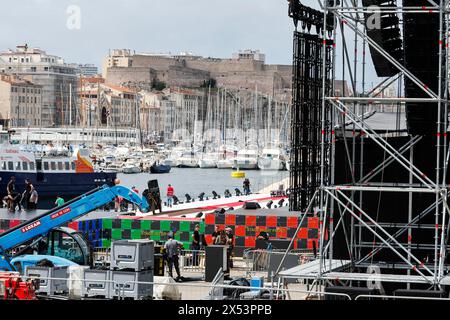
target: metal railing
191 291
192 261
217 290
368 296
257 260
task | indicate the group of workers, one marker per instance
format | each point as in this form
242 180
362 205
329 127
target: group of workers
15 199
173 247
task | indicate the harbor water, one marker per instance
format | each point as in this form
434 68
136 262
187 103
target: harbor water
195 180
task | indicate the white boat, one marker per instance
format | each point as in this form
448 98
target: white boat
246 160
131 166
206 163
115 166
271 159
187 160
208 160
169 162
225 163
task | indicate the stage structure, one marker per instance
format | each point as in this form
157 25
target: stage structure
380 188
311 116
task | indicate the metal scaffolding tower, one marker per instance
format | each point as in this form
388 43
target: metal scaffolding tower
344 208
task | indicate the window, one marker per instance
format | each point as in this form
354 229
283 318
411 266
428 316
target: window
10 166
46 166
53 165
3 165
31 165
67 166
60 165
25 165
73 165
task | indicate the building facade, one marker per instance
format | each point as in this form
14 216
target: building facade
85 70
245 70
20 102
57 79
119 107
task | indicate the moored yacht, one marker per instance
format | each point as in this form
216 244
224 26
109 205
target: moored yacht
246 159
271 159
187 160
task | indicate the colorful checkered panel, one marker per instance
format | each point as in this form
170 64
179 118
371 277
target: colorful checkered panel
102 232
246 228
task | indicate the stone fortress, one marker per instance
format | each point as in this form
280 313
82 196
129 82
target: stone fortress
246 70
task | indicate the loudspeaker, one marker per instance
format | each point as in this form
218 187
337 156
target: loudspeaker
152 184
421 42
215 258
387 37
251 206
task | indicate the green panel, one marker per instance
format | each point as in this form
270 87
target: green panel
177 236
126 224
186 245
202 227
106 243
107 223
145 224
185 226
165 225
116 234
135 234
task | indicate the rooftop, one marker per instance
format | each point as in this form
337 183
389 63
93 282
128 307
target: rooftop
16 81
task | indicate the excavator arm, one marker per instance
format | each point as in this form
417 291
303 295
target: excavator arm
59 216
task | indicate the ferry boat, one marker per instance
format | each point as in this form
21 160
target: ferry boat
67 175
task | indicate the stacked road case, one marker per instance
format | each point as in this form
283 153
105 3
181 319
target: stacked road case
130 275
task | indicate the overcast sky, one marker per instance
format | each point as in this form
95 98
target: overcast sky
211 28
205 27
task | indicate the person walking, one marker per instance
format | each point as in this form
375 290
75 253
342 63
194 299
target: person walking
118 203
195 246
170 194
135 190
59 201
26 194
34 197
230 243
222 238
11 193
172 248
215 234
246 186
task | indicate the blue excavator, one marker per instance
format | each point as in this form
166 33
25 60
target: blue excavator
17 241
